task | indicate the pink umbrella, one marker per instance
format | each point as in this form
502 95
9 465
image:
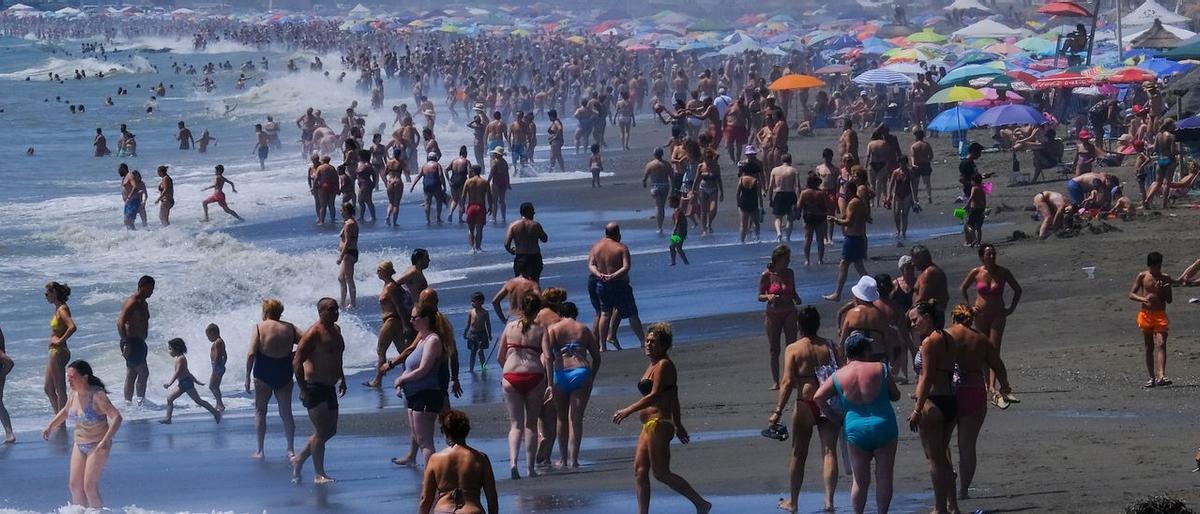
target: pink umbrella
991 98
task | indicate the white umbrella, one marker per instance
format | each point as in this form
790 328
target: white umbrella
742 46
883 76
1148 12
68 11
986 28
967 5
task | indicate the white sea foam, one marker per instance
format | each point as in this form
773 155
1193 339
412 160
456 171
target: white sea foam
179 45
65 68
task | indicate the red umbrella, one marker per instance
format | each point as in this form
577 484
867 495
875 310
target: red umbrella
1064 8
1022 76
1061 80
1131 75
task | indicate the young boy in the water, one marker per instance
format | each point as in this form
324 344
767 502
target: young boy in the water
187 382
478 331
217 355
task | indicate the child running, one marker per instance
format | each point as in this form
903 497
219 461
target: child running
679 233
217 355
596 165
478 331
187 382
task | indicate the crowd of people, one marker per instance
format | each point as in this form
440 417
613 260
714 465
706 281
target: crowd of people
504 86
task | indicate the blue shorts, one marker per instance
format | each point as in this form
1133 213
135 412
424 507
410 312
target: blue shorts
518 151
570 380
617 294
854 248
1075 192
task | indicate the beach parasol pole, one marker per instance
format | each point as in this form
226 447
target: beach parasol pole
1092 38
1120 44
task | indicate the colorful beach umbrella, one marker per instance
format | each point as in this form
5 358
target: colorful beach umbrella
1063 79
1010 114
882 77
968 72
832 69
954 120
955 94
1129 75
1065 9
795 81
925 36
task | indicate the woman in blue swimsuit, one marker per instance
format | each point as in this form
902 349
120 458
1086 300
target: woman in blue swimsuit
96 423
576 357
865 391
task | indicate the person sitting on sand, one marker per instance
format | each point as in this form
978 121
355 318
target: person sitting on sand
1179 190
806 365
96 423
1152 289
457 476
661 422
187 382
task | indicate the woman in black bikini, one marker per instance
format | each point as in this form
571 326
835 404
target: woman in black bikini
269 363
934 414
749 191
457 476
661 422
814 209
809 361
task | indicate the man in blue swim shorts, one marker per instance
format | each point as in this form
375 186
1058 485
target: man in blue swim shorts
854 243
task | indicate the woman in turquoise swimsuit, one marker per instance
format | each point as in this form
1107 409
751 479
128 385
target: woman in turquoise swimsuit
865 391
96 423
576 357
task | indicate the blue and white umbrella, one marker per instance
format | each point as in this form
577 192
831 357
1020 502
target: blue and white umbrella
884 77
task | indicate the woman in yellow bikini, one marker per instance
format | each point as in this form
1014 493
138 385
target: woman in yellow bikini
661 422
62 327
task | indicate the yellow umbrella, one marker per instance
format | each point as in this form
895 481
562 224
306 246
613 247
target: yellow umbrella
925 36
577 40
955 94
795 81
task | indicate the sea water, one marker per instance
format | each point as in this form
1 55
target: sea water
61 208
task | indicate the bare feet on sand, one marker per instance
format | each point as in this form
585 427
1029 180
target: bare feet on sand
786 506
323 479
833 297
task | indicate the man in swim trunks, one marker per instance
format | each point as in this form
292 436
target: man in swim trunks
501 182
496 133
1152 289
514 289
609 263
784 184
854 244
931 281
658 172
321 379
522 242
477 196
922 160
218 196
133 325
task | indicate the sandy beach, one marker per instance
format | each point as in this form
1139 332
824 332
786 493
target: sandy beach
1086 437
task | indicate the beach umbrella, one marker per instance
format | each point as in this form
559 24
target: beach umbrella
1165 67
977 57
890 30
907 68
1008 47
925 36
968 72
832 69
795 81
1189 123
1000 81
954 120
1159 36
1065 9
882 77
844 41
1184 51
1066 78
954 94
1129 75
1036 45
1010 114
579 40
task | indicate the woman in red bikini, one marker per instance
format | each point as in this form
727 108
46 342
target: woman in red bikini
976 355
525 356
777 287
808 362
990 312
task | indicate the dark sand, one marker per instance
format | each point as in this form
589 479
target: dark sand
1086 438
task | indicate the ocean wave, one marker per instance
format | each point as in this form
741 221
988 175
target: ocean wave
180 45
66 68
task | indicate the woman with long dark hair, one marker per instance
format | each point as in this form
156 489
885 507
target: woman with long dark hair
96 423
62 327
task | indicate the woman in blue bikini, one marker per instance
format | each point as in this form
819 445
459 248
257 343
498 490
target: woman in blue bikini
865 391
576 357
96 423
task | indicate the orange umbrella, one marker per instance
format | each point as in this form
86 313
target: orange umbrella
795 81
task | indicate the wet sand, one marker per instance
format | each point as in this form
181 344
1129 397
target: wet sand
1086 438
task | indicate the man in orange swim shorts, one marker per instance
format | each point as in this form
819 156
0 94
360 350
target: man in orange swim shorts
1152 289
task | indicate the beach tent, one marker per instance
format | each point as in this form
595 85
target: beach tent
1150 11
1166 33
986 29
359 11
1159 36
967 5
19 7
68 11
